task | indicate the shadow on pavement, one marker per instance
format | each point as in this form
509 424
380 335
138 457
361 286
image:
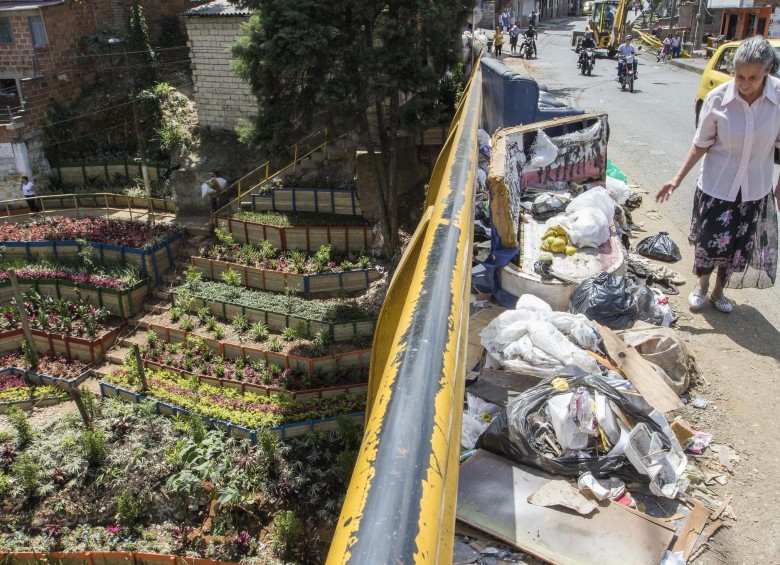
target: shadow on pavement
745 326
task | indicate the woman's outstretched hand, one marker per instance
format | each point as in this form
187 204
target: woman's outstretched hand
666 191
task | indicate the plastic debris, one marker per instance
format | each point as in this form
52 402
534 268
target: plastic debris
700 402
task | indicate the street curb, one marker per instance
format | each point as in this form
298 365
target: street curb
682 64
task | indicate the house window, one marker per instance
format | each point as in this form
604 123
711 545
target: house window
38 32
6 35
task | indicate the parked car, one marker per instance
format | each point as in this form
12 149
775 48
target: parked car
721 69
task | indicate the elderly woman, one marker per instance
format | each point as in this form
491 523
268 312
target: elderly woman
734 225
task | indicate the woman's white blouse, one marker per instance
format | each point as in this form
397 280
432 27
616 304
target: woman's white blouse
742 139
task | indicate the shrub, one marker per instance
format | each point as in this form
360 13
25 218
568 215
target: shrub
18 419
275 345
128 510
187 325
287 530
231 277
218 332
27 473
240 323
93 444
289 334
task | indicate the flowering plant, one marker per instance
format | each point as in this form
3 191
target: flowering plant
53 365
75 318
98 230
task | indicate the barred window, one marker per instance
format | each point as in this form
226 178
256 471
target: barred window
38 32
6 35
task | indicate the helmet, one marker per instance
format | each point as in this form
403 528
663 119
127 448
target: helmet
588 34
629 36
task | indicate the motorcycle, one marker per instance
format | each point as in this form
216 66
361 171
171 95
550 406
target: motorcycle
587 61
626 76
528 48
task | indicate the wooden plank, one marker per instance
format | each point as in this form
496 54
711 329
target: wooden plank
639 372
691 529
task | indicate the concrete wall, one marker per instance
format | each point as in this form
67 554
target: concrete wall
221 96
116 14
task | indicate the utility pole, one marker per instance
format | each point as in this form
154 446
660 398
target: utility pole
699 30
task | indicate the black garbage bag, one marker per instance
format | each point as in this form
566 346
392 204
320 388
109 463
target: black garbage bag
511 435
615 301
660 247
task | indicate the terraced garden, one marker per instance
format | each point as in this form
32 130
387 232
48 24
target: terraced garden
221 381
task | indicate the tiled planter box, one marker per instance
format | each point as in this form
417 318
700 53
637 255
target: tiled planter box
153 262
305 238
123 303
282 432
73 347
310 365
317 200
265 279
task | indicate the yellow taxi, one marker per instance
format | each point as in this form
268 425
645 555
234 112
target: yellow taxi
721 69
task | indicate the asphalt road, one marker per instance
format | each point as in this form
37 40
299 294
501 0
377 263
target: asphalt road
651 129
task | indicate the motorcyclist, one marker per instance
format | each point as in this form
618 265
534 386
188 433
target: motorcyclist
587 42
624 50
530 33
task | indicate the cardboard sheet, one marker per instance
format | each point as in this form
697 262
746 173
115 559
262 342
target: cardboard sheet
493 497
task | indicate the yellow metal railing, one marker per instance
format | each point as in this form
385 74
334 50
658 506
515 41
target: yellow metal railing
57 203
254 182
400 504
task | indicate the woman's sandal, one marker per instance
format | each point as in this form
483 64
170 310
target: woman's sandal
695 300
723 304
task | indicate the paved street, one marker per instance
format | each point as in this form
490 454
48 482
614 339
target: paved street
738 354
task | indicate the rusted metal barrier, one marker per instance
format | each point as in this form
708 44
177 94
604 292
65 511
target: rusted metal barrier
400 504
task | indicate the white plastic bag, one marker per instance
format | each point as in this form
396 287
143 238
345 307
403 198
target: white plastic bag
476 419
618 190
566 431
596 197
578 327
543 152
587 227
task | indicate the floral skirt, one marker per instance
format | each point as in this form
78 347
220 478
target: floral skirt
740 236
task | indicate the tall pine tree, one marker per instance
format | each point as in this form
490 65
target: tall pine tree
348 65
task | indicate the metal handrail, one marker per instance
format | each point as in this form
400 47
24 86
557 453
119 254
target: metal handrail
268 176
55 203
400 504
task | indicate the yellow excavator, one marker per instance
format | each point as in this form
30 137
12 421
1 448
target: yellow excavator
608 24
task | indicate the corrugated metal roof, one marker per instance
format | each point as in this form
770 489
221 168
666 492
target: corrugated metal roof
9 5
219 8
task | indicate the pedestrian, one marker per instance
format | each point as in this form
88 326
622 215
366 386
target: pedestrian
637 6
498 41
513 35
532 18
28 191
734 220
657 31
666 50
676 46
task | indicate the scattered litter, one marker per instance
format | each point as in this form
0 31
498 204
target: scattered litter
700 402
615 301
677 558
700 442
561 493
660 247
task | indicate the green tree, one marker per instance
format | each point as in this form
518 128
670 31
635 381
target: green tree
348 65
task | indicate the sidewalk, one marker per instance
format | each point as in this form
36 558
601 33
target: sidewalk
693 65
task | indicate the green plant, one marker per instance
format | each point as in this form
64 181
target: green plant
211 323
289 334
240 323
286 533
258 331
18 419
27 473
89 401
175 313
218 332
193 278
187 325
275 344
184 300
128 510
224 236
5 484
231 277
203 315
93 445
151 339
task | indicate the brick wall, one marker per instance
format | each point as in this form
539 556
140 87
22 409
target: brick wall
221 96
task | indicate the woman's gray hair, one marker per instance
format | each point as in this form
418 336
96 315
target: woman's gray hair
756 49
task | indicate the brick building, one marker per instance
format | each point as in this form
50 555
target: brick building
221 96
41 61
